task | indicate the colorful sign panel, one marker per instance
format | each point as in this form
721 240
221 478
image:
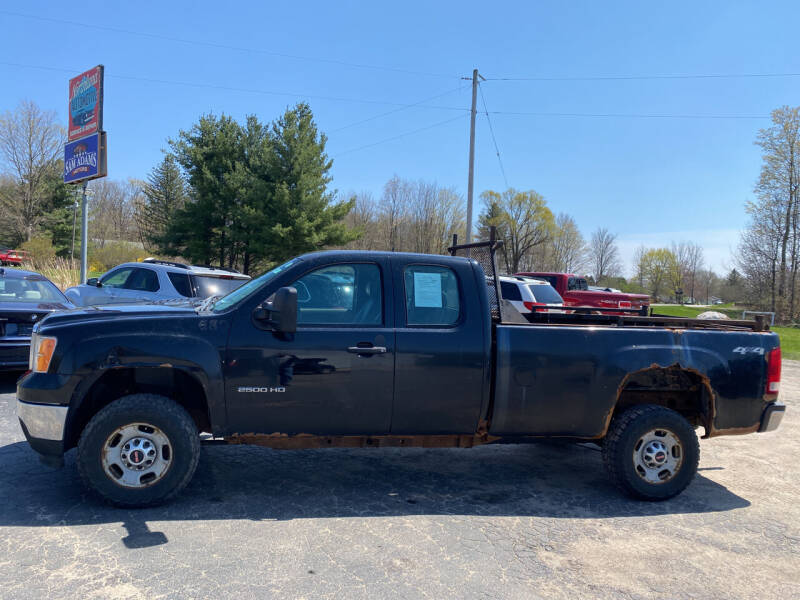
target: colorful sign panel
86 103
85 158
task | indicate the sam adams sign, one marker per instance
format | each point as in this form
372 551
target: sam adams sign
86 103
85 158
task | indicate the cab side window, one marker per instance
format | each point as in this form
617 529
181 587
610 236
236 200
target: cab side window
116 279
432 296
344 294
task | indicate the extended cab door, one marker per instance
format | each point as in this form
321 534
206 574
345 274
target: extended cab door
336 374
441 372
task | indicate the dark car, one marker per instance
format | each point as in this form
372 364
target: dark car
25 299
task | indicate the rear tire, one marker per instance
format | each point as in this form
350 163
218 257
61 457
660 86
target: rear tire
651 452
140 450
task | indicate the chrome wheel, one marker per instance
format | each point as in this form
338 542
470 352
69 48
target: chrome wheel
657 456
136 455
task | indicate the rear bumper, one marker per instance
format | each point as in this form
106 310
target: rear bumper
772 417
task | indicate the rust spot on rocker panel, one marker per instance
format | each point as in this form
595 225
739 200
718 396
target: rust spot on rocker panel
301 441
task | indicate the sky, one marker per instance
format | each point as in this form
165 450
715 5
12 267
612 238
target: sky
583 98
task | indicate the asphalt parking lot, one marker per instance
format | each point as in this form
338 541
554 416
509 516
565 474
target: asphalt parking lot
492 522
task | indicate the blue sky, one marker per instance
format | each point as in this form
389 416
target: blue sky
651 180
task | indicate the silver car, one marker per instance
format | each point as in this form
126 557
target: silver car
155 280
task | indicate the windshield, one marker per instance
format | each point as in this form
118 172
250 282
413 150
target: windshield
29 290
249 288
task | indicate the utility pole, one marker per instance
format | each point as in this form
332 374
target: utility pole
74 221
84 233
470 184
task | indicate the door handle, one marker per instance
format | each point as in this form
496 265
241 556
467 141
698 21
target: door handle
367 349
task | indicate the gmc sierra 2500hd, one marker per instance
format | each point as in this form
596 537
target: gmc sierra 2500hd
346 348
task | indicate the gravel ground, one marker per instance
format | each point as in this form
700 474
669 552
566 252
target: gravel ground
492 522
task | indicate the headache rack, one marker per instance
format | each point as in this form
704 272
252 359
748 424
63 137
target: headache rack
503 312
484 253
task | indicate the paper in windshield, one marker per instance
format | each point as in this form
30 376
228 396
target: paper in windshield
428 290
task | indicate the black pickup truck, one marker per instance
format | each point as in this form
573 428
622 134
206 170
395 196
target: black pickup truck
361 349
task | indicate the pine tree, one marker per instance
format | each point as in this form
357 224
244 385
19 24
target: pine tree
258 194
164 195
302 213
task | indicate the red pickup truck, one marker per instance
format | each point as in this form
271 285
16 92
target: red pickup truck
575 292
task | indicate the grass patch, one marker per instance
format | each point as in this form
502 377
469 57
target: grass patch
790 341
691 312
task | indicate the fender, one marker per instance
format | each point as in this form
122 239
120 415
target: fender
184 341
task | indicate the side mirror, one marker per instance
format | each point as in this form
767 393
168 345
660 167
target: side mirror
94 281
280 315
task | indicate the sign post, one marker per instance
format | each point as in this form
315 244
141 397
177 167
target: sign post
85 154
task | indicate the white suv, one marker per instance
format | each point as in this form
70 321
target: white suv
155 280
529 294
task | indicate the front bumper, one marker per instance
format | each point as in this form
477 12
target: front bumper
43 426
772 416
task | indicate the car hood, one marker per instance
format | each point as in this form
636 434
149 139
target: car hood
115 311
33 307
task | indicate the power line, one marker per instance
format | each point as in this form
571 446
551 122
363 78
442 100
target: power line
647 77
383 102
626 115
218 45
396 110
397 137
235 89
494 140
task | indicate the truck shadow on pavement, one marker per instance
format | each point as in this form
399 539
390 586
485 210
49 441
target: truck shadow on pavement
240 482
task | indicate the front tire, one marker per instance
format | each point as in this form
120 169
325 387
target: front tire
140 450
651 452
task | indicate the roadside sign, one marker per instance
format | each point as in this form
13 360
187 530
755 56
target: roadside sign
85 158
86 103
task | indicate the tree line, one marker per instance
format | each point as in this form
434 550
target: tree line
769 251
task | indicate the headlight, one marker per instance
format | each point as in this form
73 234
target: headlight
42 349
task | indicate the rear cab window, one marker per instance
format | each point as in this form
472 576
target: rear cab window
432 296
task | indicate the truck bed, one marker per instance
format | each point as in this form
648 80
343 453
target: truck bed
566 376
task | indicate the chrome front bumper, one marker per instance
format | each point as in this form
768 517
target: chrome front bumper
43 421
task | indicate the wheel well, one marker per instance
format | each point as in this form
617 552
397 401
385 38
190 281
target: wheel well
172 383
683 390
